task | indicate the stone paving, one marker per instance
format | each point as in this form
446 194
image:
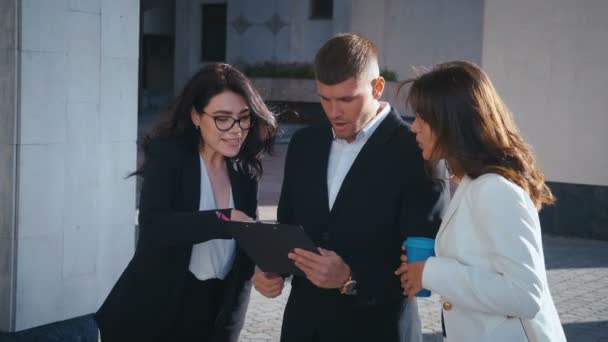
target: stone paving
577 271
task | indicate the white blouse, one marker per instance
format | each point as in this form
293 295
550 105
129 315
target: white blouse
211 259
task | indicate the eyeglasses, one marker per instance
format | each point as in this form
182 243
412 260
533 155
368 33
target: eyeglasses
225 123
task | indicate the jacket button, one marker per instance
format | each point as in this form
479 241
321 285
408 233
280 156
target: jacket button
447 306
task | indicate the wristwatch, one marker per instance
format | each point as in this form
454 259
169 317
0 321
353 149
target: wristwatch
350 287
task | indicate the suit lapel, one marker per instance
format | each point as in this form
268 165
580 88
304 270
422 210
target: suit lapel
238 183
454 203
319 174
366 158
191 184
191 181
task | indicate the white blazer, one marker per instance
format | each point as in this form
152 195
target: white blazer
490 267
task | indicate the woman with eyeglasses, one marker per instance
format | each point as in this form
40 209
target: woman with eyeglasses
188 279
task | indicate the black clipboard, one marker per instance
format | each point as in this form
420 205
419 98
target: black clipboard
268 244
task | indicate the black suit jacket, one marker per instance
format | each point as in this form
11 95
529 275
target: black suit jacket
385 197
143 303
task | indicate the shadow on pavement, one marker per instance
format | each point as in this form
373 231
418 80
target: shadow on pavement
566 252
587 331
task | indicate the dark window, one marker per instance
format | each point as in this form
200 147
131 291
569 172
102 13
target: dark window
321 9
214 33
155 49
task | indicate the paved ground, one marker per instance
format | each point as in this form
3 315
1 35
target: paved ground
578 278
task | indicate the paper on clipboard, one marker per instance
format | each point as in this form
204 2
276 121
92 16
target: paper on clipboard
268 244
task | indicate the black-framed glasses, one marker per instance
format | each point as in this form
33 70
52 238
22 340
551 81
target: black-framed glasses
225 122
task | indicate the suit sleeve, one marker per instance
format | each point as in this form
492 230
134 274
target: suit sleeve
425 195
160 224
506 219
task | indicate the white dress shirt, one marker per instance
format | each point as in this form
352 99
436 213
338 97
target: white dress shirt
343 154
211 259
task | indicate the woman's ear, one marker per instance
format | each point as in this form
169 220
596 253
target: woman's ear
196 118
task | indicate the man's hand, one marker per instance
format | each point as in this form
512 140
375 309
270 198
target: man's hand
270 285
327 270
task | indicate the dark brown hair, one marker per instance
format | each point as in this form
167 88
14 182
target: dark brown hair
475 130
342 57
210 81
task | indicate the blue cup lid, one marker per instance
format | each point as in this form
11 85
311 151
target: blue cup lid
419 242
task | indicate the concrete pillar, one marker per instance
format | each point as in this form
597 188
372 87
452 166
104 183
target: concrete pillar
8 122
68 121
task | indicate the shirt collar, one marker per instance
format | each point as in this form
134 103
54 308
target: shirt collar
371 125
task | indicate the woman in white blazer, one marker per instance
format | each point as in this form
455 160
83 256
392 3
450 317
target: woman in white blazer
489 269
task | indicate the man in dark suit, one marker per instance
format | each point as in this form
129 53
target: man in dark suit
358 186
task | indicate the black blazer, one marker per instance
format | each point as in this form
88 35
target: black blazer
143 303
385 197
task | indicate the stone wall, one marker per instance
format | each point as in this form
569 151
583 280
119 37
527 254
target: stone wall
69 106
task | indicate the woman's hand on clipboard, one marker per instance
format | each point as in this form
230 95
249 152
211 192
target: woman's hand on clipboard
235 215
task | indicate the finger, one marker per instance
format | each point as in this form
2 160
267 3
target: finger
306 268
406 289
317 278
325 252
273 288
268 287
310 264
261 275
308 273
275 294
403 258
272 293
308 254
262 280
402 269
271 275
272 283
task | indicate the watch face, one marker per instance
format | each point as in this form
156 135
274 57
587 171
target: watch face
350 288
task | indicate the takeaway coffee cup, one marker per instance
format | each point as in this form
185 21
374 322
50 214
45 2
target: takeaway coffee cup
418 249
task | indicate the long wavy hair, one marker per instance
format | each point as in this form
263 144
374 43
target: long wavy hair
210 81
475 130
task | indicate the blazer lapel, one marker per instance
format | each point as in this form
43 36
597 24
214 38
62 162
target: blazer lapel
371 150
239 183
319 174
191 181
191 184
454 203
